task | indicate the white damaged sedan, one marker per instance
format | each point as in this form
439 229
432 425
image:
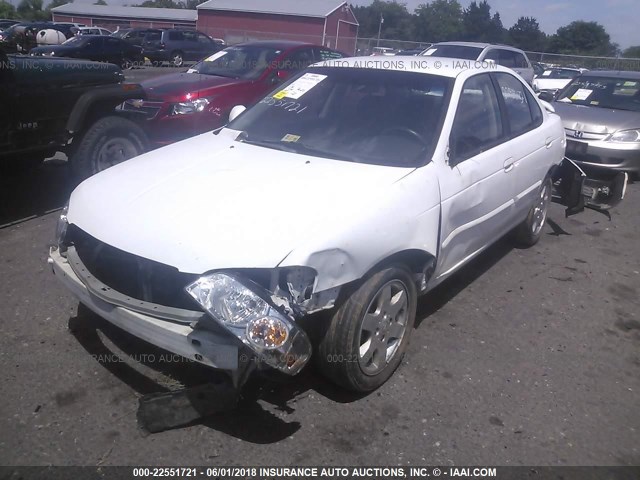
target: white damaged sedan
348 190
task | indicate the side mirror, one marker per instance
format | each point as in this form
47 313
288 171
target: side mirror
280 76
546 96
235 111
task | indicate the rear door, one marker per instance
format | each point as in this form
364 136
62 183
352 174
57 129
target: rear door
533 145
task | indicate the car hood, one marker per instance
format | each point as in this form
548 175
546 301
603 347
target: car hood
180 84
59 49
209 203
596 119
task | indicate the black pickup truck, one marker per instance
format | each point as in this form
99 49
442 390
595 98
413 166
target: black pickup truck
57 104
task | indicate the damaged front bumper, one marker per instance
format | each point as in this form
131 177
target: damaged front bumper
171 329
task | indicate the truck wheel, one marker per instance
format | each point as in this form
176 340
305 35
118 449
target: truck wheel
126 64
529 232
109 141
368 334
177 58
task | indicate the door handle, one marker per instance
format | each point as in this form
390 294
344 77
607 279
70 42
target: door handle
548 142
508 165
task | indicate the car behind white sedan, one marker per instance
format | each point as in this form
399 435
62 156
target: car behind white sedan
349 190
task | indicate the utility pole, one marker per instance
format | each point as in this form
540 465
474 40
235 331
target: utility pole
380 29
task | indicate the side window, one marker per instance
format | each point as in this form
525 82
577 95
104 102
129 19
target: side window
176 36
298 60
323 54
493 54
203 39
521 62
522 111
478 124
507 59
190 36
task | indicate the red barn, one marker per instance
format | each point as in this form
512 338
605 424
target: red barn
327 22
113 16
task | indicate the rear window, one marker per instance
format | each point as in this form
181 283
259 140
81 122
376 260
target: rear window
454 51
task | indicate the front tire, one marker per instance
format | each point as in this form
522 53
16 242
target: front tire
368 335
177 59
109 141
529 231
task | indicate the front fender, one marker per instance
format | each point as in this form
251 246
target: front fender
107 95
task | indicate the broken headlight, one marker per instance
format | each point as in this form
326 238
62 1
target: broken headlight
243 309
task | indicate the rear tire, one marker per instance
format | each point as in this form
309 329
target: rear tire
109 141
529 231
369 333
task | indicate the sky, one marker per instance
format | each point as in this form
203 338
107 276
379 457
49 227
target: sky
619 17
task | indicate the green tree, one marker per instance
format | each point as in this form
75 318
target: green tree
438 21
192 4
526 34
480 26
582 38
161 4
632 52
31 10
7 10
397 25
57 3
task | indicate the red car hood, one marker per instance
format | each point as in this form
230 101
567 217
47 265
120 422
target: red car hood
175 86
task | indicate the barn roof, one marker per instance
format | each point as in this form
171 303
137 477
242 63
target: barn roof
298 8
181 14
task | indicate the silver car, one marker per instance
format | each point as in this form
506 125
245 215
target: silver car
509 57
600 112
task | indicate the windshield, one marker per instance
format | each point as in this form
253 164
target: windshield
604 92
247 62
454 51
120 33
380 117
76 41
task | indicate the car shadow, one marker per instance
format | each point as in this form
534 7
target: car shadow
257 417
31 192
437 298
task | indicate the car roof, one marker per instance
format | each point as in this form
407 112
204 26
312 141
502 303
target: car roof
283 44
448 67
612 73
477 45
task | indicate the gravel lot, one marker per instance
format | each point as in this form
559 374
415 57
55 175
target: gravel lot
526 357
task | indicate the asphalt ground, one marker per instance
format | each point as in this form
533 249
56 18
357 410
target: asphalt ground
525 357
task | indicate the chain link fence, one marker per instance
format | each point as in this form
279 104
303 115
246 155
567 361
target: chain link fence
368 46
582 61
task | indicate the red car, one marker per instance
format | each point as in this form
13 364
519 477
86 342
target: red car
182 105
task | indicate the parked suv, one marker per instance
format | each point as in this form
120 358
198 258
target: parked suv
177 46
509 57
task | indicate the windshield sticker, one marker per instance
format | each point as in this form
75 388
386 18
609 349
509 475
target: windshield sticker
300 86
630 84
290 138
215 56
595 102
192 70
546 73
287 105
581 94
430 51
